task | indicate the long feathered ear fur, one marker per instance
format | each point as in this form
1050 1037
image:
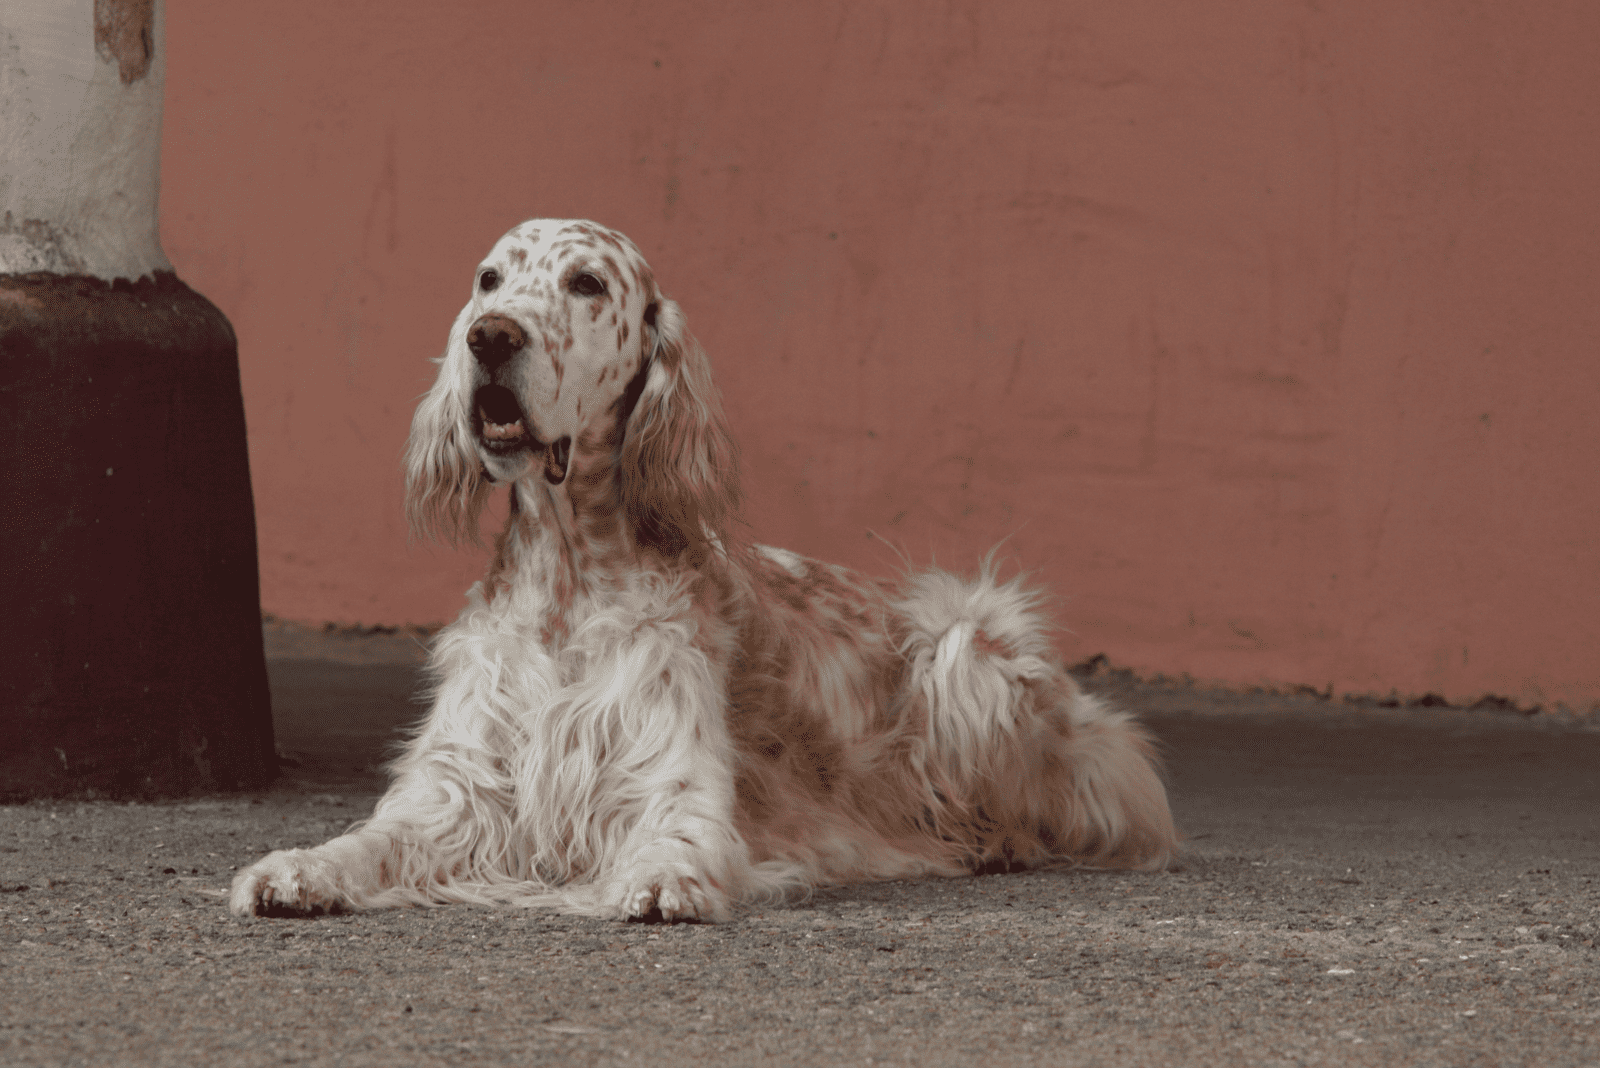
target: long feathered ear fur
679 468
445 484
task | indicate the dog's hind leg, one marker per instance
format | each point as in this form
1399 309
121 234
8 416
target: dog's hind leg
1028 766
1111 808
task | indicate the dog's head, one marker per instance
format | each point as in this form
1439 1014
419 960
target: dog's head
568 345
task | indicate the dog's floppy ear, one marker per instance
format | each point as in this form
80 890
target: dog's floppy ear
679 469
445 484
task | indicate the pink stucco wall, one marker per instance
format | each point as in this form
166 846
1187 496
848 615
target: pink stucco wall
1267 333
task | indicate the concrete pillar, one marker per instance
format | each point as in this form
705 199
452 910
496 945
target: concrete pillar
130 640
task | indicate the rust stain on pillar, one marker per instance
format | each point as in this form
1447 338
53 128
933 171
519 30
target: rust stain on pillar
124 31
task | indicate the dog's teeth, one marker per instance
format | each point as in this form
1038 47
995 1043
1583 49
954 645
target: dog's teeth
502 431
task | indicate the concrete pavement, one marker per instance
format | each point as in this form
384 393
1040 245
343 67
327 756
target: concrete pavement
1384 887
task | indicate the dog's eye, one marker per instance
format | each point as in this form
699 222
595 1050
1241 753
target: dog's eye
586 285
489 281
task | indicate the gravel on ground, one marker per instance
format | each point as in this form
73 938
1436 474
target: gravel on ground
1361 887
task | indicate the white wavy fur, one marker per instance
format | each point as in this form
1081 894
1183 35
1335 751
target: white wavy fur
636 714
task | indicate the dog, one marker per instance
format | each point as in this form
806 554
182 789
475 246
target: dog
639 713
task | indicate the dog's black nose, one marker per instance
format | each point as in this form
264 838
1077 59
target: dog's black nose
494 338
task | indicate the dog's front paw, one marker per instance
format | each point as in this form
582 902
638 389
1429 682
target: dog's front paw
676 896
294 879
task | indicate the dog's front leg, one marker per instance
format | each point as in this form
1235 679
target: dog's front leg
445 797
343 873
395 857
683 861
680 855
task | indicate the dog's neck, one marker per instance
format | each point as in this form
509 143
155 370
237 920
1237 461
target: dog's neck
567 549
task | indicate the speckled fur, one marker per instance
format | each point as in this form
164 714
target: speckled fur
640 713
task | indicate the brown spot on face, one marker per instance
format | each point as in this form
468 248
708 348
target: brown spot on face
558 248
521 256
613 271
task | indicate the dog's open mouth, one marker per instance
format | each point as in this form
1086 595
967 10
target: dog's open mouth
500 420
503 429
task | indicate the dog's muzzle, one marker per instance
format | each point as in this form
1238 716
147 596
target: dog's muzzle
502 425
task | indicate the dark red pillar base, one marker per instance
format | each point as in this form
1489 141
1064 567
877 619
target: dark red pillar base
130 637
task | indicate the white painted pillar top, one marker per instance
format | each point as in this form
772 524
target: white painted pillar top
80 137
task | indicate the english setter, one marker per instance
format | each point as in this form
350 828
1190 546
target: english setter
638 712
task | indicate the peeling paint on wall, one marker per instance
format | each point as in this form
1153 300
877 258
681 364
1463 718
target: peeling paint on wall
123 33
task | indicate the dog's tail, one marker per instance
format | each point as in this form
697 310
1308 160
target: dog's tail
1023 765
